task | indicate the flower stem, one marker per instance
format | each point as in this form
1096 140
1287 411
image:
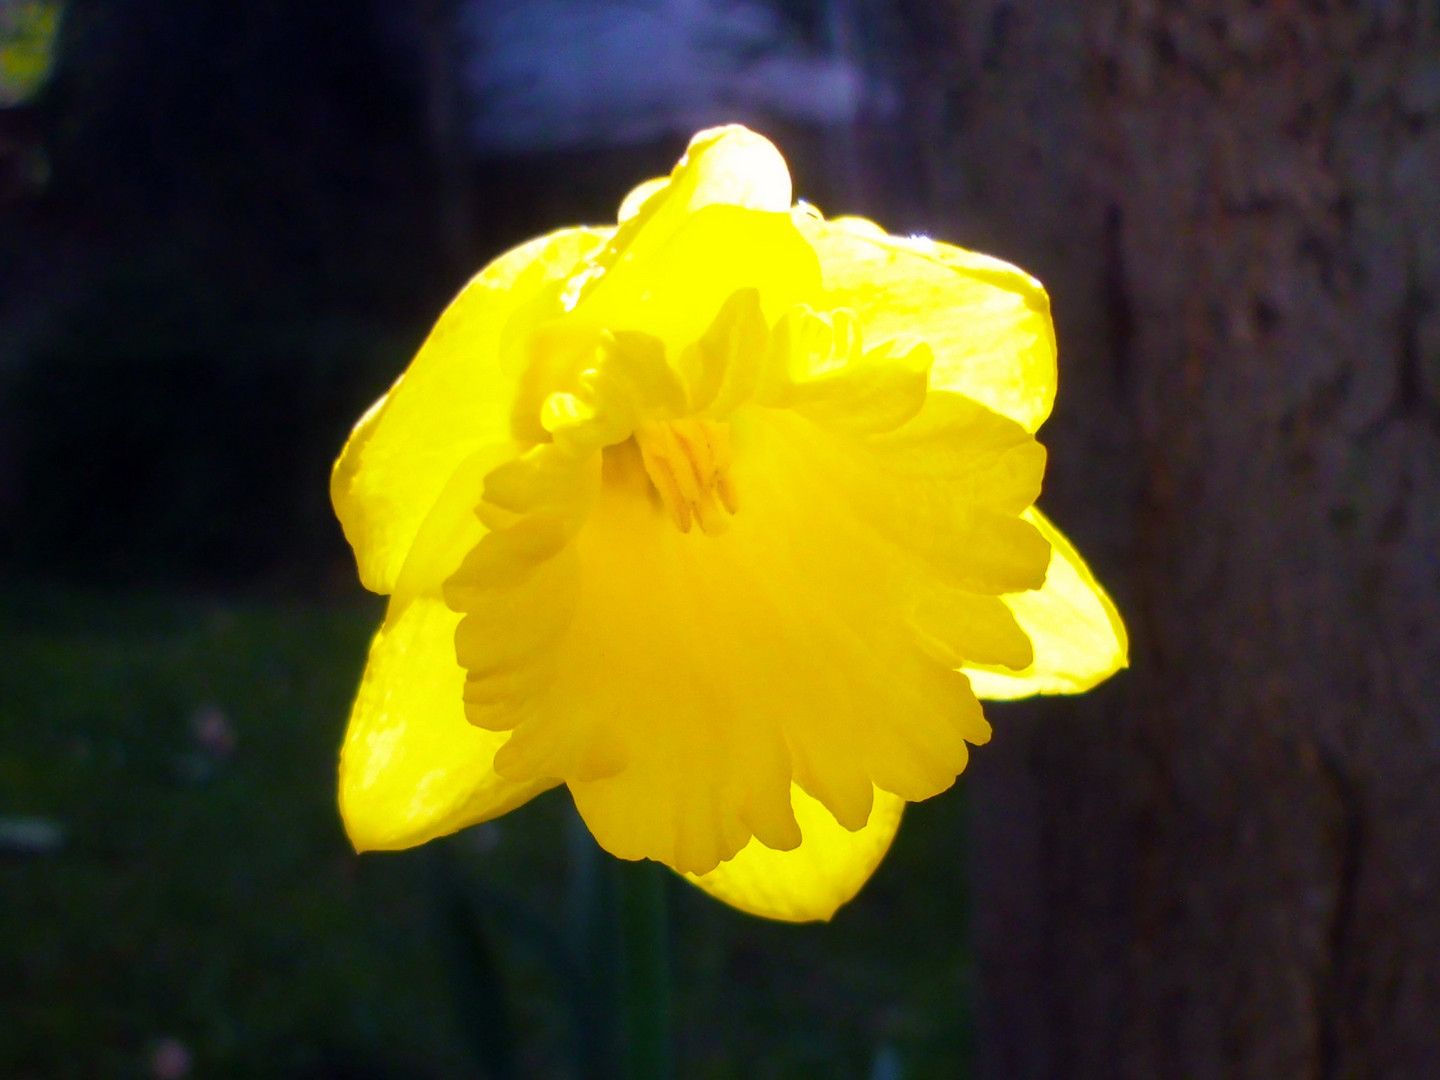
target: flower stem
645 971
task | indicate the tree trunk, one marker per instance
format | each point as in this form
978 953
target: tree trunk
1224 863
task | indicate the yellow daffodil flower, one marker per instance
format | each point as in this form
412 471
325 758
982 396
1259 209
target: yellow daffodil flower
722 517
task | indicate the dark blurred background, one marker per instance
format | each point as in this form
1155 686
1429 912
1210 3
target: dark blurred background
225 226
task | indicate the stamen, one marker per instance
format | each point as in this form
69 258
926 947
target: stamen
688 461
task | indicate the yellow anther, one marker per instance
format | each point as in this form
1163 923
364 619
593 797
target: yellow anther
688 461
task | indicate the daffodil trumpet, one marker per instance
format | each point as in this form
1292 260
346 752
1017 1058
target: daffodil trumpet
723 517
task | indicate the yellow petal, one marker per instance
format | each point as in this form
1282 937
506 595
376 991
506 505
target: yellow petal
449 530
411 768
720 222
453 399
811 881
639 196
1077 634
987 321
956 626
671 285
701 674
731 165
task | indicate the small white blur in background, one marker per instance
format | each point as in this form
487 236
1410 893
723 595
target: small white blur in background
545 75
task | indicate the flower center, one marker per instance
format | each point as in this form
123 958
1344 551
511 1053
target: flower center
688 461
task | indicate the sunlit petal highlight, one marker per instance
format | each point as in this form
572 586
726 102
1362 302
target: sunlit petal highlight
411 768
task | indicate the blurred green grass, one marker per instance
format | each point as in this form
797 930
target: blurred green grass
211 897
221 909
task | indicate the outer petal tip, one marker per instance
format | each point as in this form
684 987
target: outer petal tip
812 881
734 165
639 196
412 768
1077 632
988 322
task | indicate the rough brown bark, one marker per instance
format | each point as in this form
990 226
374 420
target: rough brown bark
1223 864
